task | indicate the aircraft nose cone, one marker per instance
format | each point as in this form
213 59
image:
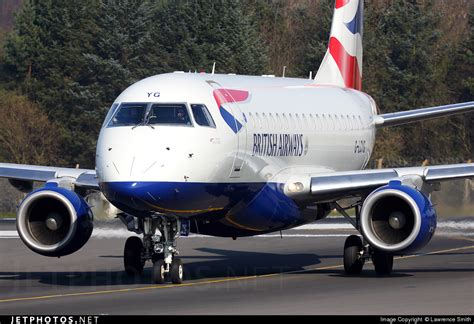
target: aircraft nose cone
179 198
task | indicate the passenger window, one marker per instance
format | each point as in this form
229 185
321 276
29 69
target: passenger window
331 122
264 121
202 116
271 121
298 122
128 115
278 124
170 114
285 121
312 121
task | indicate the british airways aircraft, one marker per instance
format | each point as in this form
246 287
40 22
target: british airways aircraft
235 156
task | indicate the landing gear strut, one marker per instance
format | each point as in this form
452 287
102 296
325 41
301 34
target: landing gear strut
160 234
164 251
356 252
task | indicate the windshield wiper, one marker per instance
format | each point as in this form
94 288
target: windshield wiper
140 124
143 123
145 120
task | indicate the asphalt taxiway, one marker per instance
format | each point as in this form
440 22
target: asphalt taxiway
300 273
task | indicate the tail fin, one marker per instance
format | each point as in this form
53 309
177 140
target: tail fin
342 65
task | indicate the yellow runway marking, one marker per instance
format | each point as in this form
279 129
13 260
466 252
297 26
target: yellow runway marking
436 252
208 282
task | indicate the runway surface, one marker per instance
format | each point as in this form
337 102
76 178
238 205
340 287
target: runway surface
299 274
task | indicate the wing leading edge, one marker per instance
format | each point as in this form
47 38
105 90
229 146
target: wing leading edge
81 177
411 116
338 185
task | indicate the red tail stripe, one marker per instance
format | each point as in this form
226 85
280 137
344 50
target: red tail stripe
347 64
341 3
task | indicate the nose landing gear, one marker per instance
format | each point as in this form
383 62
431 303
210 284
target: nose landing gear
160 234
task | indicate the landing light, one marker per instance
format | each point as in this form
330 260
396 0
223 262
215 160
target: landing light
295 187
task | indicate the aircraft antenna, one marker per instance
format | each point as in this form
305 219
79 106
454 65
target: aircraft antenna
284 70
213 67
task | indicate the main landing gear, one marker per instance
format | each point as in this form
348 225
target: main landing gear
356 252
160 234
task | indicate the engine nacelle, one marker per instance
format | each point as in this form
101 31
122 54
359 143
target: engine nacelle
397 218
54 221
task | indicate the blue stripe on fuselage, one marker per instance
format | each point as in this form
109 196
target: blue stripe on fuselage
242 208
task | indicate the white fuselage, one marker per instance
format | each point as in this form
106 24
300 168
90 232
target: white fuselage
288 126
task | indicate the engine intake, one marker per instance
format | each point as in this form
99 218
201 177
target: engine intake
54 221
397 219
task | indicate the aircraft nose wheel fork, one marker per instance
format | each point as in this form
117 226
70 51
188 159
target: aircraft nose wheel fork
161 271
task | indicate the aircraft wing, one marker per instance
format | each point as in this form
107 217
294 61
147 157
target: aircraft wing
411 116
327 187
80 177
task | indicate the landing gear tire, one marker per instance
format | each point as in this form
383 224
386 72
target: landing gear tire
176 271
158 273
132 256
353 262
383 262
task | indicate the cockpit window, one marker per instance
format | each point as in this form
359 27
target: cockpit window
129 115
202 116
170 114
110 114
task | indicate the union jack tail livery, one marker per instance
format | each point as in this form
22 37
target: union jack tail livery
342 65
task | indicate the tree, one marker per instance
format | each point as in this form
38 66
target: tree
44 55
197 33
461 81
26 136
408 68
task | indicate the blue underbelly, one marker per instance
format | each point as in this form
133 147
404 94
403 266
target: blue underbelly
219 209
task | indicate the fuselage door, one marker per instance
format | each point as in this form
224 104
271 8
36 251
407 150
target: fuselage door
228 102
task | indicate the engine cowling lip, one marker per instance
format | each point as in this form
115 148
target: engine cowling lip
22 225
366 226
